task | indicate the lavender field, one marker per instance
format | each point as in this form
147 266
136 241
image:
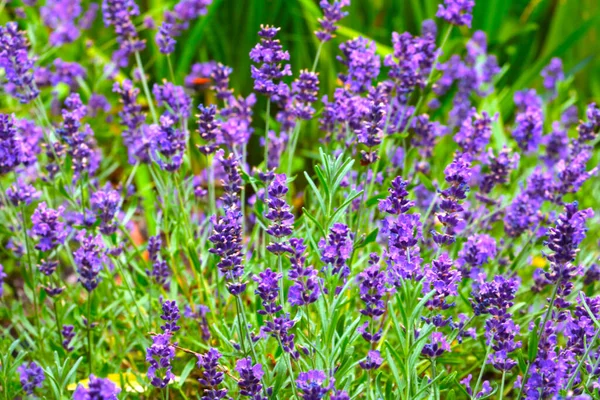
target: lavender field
299 199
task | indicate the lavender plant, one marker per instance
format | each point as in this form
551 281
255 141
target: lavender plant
401 236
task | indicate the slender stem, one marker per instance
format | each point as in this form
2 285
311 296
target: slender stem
57 320
587 352
131 292
89 333
138 59
280 268
267 117
290 369
33 278
487 352
314 67
436 394
501 394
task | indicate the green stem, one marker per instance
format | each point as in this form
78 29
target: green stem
89 333
57 320
267 117
487 352
290 369
138 59
314 67
36 310
501 394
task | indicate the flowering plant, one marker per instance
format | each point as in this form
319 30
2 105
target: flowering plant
430 244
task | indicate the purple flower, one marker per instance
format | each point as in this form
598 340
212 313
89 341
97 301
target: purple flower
372 289
132 118
564 238
170 314
396 203
174 98
47 227
442 278
552 74
68 73
164 39
336 250
22 193
373 360
474 133
278 213
363 64
227 230
457 175
31 376
98 389
332 13
250 377
456 12
437 345
485 389
105 203
10 154
208 128
305 289
89 259
572 172
268 290
312 386
211 376
97 103
500 167
160 270
521 214
118 13
78 138
167 144
60 16
18 67
528 130
48 267
188 10
304 93
159 355
425 133
371 132
270 54
68 333
476 251
403 255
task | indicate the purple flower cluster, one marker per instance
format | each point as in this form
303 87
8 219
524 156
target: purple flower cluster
552 74
278 213
167 144
305 288
47 227
332 14
270 55
170 314
119 13
211 376
227 233
98 388
250 378
529 121
68 333
31 376
160 272
105 203
17 65
160 355
312 385
174 98
363 64
89 259
457 12
371 133
499 168
336 249
412 60
132 118
164 38
457 175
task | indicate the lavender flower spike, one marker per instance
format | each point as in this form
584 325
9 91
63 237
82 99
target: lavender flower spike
332 13
457 12
17 65
98 389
